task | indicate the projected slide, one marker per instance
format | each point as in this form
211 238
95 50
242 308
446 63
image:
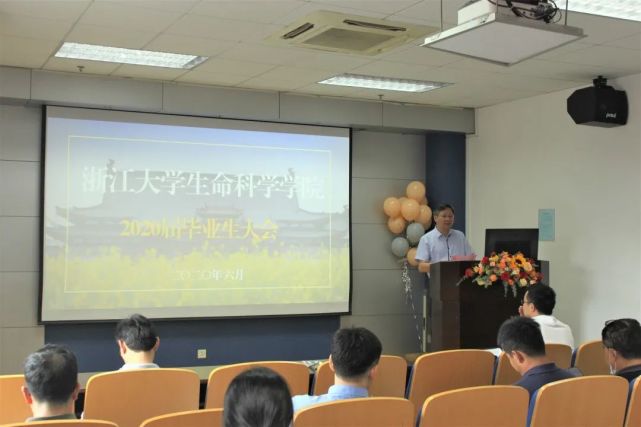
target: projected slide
180 217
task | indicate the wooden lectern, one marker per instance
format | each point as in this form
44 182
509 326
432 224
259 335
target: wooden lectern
468 315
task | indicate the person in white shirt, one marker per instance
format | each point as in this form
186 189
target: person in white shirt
138 342
538 304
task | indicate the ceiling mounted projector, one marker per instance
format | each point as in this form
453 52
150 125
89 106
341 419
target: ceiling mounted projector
505 32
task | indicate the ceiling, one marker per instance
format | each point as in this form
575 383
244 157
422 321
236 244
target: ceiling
233 33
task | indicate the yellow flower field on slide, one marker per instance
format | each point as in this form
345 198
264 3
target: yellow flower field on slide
107 280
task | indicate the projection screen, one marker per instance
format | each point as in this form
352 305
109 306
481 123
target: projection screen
180 217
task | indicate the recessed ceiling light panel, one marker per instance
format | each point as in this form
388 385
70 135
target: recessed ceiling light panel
128 56
383 83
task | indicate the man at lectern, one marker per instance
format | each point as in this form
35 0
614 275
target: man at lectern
443 243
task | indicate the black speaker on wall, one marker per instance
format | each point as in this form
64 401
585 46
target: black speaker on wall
599 105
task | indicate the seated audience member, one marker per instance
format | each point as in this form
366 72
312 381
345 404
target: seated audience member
51 378
258 397
622 342
520 338
138 342
538 303
354 357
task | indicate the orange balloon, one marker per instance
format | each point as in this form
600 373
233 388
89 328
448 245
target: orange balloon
411 257
415 190
392 207
396 225
424 201
424 216
409 209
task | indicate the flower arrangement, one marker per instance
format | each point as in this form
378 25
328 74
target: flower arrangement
512 270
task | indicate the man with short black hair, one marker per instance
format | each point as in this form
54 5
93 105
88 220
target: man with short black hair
442 243
354 357
538 303
138 342
520 338
51 378
622 342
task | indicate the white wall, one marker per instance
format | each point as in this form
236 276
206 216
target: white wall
529 154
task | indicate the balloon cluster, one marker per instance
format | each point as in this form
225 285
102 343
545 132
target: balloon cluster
410 216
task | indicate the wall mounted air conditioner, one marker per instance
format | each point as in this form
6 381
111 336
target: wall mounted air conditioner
337 32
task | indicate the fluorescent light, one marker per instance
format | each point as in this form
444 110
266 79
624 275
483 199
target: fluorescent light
503 39
128 56
622 9
383 83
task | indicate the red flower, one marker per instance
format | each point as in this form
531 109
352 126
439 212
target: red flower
505 277
485 260
469 272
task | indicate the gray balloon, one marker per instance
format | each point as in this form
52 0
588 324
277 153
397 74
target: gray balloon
414 232
400 246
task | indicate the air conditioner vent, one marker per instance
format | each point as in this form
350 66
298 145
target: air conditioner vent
336 32
373 25
298 31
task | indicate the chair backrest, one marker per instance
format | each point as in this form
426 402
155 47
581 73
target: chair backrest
593 401
448 370
389 380
505 373
633 416
130 397
197 418
13 408
560 354
296 374
64 423
590 360
366 411
496 406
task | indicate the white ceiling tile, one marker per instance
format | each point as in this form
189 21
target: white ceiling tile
218 79
328 61
272 85
220 29
624 59
308 8
126 15
182 6
129 38
71 65
297 76
25 52
600 29
144 72
395 70
430 11
64 10
632 42
35 28
387 7
422 56
265 12
232 66
564 70
189 45
266 54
